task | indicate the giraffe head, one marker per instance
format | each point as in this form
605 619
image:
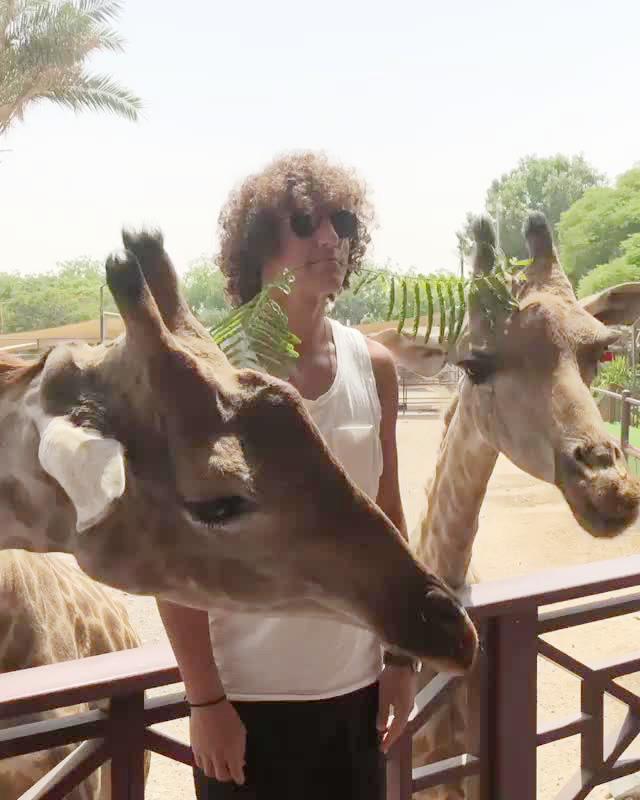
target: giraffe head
528 375
195 482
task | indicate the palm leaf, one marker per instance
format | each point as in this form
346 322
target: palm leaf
43 48
99 93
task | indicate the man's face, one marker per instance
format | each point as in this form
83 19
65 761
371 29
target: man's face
315 247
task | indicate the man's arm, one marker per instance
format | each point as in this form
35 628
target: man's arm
188 632
384 370
218 737
398 684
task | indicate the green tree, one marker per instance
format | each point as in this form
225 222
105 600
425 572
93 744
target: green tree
368 304
624 269
551 185
204 290
70 293
593 231
43 49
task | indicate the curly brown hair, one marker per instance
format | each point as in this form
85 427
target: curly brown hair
249 222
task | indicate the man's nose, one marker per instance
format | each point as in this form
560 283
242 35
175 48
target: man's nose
325 234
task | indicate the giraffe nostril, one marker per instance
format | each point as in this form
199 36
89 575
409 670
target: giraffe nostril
578 453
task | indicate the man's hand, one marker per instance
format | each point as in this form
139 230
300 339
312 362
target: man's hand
218 741
398 690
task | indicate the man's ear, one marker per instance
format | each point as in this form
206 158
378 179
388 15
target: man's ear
617 305
426 359
89 467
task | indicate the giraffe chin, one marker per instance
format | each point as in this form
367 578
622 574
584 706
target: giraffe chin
603 514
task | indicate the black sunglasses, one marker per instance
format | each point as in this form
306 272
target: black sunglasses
345 224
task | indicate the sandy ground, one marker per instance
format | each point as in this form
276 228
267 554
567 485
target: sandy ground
525 526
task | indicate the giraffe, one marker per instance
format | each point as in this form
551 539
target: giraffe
167 472
50 612
525 394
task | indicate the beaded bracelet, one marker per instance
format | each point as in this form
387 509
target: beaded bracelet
208 702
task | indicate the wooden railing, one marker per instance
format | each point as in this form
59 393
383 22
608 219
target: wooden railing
628 411
503 741
511 617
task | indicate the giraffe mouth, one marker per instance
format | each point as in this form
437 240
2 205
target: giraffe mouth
604 498
602 511
600 523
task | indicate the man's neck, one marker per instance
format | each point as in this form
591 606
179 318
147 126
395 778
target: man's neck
308 322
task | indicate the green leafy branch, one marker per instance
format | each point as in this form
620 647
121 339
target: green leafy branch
447 296
256 335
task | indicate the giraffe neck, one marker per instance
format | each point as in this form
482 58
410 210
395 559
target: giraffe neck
447 529
35 514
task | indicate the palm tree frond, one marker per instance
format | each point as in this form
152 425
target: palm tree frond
43 46
98 93
100 11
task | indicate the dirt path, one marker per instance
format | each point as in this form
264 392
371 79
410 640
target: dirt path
525 526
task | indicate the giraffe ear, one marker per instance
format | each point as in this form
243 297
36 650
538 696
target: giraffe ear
424 359
88 466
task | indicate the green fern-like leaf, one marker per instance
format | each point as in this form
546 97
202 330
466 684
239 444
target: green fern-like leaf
256 335
403 307
392 297
429 293
416 318
452 314
461 311
443 311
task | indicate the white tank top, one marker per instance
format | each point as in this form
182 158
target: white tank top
263 657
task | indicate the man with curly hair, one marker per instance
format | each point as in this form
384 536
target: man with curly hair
291 707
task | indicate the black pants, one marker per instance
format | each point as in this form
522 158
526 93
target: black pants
308 750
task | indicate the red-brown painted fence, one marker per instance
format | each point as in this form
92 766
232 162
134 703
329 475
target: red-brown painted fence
511 617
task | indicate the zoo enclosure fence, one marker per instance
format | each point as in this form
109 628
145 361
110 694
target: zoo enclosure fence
513 618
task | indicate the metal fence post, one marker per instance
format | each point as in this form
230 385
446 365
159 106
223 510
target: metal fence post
625 420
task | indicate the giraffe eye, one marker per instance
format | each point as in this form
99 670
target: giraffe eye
220 510
479 367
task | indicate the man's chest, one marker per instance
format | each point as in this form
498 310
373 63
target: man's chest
314 374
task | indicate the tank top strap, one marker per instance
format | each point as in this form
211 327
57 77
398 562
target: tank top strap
353 357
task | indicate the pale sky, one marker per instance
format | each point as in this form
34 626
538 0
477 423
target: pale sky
428 100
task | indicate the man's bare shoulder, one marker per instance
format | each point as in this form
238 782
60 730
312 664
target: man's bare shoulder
383 363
